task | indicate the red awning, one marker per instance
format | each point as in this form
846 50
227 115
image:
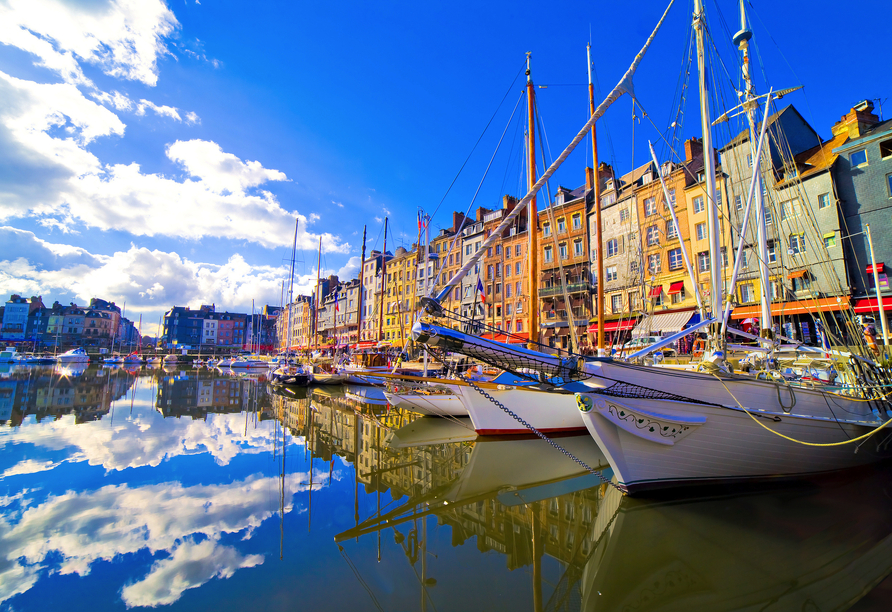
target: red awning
508 338
656 291
797 274
676 287
794 308
367 344
609 326
880 270
871 305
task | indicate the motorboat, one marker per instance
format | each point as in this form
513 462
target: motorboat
75 355
290 375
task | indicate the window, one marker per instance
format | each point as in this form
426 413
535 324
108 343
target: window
633 300
772 252
519 305
508 269
519 324
517 268
616 303
610 274
549 256
698 204
790 208
701 231
858 158
769 218
633 266
489 252
746 293
612 247
507 306
743 260
671 234
562 225
886 148
577 221
824 200
672 197
830 239
507 290
650 207
624 215
517 250
498 288
703 261
797 243
889 184
738 202
724 257
489 272
563 250
678 298
498 270
517 293
653 235
653 263
577 248
498 249
546 229
675 259
749 160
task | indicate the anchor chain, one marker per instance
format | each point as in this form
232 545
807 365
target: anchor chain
622 489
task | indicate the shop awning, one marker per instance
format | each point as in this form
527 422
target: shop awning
664 323
611 326
871 305
656 291
507 338
676 287
794 308
797 274
880 270
367 344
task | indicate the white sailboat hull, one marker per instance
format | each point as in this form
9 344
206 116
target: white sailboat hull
653 442
547 412
428 405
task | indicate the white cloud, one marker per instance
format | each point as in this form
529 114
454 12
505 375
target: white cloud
164 111
219 171
124 38
191 565
338 204
350 269
148 280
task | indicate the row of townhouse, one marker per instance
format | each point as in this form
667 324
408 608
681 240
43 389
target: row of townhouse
101 324
820 196
204 327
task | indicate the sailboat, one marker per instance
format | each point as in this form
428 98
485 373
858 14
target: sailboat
661 427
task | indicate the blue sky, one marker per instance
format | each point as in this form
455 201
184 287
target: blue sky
157 153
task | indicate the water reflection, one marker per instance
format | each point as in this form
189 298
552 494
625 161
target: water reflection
197 489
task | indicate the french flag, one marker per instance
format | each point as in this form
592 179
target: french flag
480 291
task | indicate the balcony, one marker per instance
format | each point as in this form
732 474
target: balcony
581 287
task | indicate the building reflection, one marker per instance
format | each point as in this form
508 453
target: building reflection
53 392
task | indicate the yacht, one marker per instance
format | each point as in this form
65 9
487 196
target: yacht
76 355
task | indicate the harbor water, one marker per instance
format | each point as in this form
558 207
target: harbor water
195 489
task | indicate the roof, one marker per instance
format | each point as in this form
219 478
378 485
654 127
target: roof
817 159
873 132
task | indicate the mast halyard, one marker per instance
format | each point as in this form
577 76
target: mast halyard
716 342
597 188
533 222
750 105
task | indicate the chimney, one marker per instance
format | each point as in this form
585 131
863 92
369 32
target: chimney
481 212
590 178
508 202
857 121
692 148
457 219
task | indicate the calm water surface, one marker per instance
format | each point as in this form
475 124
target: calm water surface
194 489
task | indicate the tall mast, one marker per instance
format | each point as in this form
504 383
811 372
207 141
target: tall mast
291 289
742 40
597 187
361 286
383 277
712 212
533 223
318 298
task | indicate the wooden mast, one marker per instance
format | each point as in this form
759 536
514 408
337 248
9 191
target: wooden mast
361 287
598 229
383 278
533 223
318 299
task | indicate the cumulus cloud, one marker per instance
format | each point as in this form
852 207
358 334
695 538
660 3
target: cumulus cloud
124 38
190 566
350 269
146 279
